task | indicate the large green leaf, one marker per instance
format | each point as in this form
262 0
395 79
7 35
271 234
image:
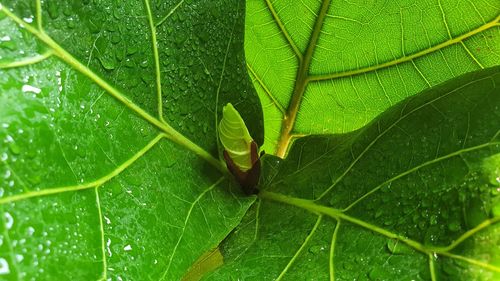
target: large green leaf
99 102
414 195
332 66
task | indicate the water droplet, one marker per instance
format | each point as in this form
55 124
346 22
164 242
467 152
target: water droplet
115 38
9 220
127 248
31 89
14 148
4 267
316 249
454 226
397 247
108 243
377 274
144 63
53 9
107 63
34 179
433 220
30 231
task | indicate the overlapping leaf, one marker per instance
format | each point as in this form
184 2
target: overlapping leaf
100 102
414 195
331 66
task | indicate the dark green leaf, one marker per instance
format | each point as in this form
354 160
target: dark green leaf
414 195
108 110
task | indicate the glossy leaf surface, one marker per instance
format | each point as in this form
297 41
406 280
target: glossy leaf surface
108 110
414 195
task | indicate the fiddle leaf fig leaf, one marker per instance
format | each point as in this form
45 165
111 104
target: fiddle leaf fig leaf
110 158
323 67
413 195
109 166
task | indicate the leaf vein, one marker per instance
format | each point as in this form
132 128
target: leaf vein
301 248
407 58
283 30
186 222
473 262
26 61
170 132
415 169
101 230
368 147
156 58
276 103
332 251
96 183
170 13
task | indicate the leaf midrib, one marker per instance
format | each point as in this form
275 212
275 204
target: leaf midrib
300 83
313 207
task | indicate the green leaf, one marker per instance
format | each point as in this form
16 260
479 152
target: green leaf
414 195
324 67
108 147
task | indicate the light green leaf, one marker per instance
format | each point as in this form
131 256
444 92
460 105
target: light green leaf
414 195
327 66
109 162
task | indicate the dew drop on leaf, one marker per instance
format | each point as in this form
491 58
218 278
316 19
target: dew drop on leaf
9 220
14 148
475 213
53 9
377 274
397 247
7 174
107 63
4 267
315 249
454 226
